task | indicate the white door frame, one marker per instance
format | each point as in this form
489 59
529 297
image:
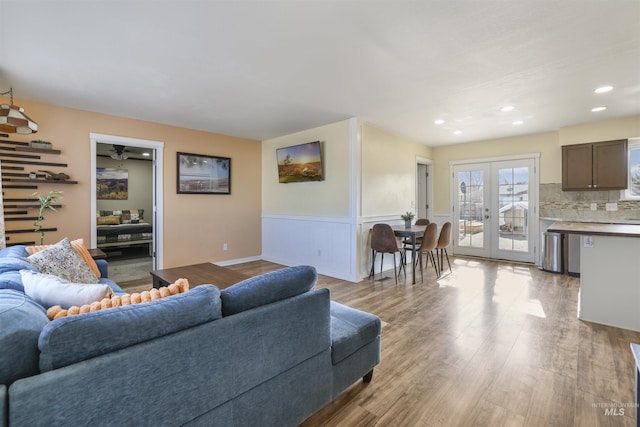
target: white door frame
429 164
158 147
533 196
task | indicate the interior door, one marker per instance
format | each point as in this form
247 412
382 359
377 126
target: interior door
471 209
495 209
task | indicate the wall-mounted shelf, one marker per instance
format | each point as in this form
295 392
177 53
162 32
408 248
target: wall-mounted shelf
16 156
38 181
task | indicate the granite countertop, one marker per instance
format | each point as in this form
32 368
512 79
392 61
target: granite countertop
599 221
595 228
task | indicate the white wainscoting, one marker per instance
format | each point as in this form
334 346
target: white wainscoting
327 243
440 218
364 231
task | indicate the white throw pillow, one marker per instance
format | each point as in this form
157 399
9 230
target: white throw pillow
50 290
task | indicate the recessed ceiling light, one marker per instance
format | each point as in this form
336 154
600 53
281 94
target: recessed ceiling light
507 108
457 132
596 109
604 89
517 123
439 122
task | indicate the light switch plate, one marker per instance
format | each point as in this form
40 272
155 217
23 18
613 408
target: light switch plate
612 206
594 206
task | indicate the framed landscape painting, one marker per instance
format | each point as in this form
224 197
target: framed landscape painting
112 184
300 163
202 174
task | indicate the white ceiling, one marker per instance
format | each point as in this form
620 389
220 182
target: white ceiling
261 69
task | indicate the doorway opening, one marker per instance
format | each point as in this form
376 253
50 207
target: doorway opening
495 205
424 186
126 204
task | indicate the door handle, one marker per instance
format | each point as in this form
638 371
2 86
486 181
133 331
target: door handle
486 217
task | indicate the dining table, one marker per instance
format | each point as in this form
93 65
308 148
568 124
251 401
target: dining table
412 233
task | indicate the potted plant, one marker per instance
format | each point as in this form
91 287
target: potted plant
46 202
407 217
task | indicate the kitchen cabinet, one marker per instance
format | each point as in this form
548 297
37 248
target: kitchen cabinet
595 166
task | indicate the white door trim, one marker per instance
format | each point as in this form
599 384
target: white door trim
158 203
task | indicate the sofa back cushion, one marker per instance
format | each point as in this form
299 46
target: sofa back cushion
21 321
73 339
11 262
268 288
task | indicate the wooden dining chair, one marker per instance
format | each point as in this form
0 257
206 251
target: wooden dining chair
443 242
383 241
427 246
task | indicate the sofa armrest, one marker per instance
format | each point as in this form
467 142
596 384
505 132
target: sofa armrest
103 266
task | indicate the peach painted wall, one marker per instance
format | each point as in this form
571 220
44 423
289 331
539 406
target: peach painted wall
195 226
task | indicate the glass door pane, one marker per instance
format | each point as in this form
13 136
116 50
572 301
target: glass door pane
470 209
513 206
513 212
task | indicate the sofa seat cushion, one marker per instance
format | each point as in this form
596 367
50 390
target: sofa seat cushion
21 321
268 288
351 329
73 339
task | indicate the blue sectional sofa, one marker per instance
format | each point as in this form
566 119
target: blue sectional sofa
268 351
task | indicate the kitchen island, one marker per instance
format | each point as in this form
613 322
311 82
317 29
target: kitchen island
609 272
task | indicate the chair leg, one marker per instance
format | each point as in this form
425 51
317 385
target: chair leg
373 263
434 263
381 262
445 252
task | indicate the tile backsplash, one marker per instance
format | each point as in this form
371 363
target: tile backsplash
576 205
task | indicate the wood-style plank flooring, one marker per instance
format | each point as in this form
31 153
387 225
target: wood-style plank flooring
488 344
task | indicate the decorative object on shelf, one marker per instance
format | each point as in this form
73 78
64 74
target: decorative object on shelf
407 217
13 119
51 176
38 143
46 202
200 174
32 175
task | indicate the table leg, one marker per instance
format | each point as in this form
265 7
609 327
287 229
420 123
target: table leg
413 256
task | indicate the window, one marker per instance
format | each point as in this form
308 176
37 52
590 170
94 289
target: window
633 189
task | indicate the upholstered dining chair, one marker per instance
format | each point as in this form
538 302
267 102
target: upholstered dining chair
383 241
443 242
427 245
406 241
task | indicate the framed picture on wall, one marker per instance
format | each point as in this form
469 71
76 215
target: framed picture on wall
202 174
112 184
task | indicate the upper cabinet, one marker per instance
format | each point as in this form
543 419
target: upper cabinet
595 166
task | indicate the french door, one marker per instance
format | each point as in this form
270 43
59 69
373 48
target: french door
495 208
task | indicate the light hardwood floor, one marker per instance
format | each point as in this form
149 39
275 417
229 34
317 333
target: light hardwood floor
492 343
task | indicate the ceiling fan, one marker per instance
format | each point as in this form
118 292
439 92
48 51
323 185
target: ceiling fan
119 152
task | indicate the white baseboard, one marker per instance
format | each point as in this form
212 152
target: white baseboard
238 261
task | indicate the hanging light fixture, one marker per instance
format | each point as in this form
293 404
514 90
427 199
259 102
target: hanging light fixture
119 153
13 119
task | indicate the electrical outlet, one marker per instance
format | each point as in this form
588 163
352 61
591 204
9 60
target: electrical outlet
225 247
594 206
612 206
